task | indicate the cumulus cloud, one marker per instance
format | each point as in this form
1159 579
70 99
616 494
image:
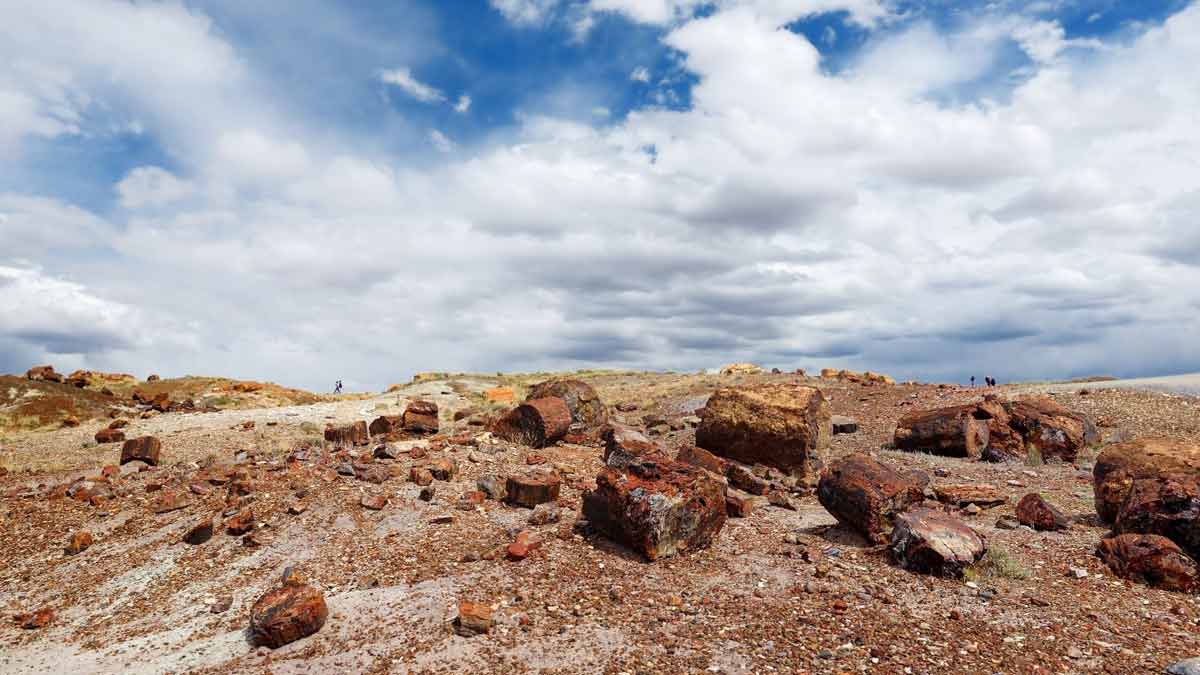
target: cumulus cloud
60 316
403 78
152 186
463 104
640 74
878 217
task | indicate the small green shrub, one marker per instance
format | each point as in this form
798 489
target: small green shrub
996 564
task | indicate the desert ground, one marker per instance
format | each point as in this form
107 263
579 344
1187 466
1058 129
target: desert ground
782 590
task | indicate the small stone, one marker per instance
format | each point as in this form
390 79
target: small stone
473 619
1039 514
1007 523
221 604
420 475
79 542
525 543
1077 572
738 505
373 502
972 510
544 514
286 614
200 533
35 620
427 493
297 508
780 498
1185 667
493 486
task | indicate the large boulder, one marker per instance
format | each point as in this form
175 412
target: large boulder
624 444
657 507
286 614
952 432
785 426
1121 464
867 495
1150 559
537 423
1053 430
385 424
421 417
587 410
43 374
934 542
144 448
1167 505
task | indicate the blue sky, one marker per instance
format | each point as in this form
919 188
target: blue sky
929 188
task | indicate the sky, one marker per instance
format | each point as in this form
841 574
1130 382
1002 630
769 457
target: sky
302 191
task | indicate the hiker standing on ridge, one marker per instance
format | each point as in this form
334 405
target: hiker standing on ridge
972 381
337 387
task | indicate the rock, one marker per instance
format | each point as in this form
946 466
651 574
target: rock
493 486
286 614
586 408
373 502
536 423
351 434
780 498
972 509
867 495
690 454
1054 430
532 489
961 495
426 494
371 472
500 395
200 533
740 369
544 514
738 505
118 424
844 425
43 374
657 508
35 620
384 425
241 523
221 604
79 542
142 449
524 544
1120 464
935 542
170 501
1185 667
1007 523
744 479
473 619
444 469
1150 559
420 475
110 435
623 445
470 500
387 451
785 426
951 432
421 417
1167 505
1039 514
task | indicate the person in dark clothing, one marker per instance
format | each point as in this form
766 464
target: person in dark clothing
972 380
337 387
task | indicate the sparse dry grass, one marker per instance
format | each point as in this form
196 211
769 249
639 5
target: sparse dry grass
997 563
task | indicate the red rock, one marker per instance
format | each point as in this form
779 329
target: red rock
470 499
286 614
584 404
35 620
536 423
1152 560
1166 505
738 506
200 533
533 489
952 432
744 479
144 449
623 445
118 424
935 542
500 395
371 473
524 544
79 542
170 501
248 425
961 495
1120 464
241 523
70 421
421 417
780 499
444 469
373 502
535 459
351 434
420 475
473 619
690 454
867 495
385 424
199 489
1036 512
657 508
43 373
109 436
1055 431
785 426
161 402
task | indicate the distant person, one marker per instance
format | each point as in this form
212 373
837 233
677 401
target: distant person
337 387
972 380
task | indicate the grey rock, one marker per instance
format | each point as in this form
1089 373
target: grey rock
1185 667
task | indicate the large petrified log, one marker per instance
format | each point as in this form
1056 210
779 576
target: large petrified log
582 400
351 434
286 614
785 426
143 448
1121 464
421 417
866 495
1167 505
935 542
1150 559
1050 428
536 423
624 444
658 507
953 432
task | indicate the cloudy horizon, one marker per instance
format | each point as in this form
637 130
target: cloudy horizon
303 192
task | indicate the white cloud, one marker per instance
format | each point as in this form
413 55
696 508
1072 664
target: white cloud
463 104
403 78
525 12
152 186
63 317
440 141
640 74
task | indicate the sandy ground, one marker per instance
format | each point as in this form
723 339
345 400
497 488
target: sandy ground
780 591
1187 384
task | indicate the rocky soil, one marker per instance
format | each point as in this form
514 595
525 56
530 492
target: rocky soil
781 590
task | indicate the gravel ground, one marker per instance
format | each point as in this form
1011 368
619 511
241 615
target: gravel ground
780 591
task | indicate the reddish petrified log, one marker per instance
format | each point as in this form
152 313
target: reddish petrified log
587 410
785 426
145 449
421 417
1041 515
867 495
953 432
351 434
934 542
532 489
1121 464
1167 505
1150 559
536 423
286 614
